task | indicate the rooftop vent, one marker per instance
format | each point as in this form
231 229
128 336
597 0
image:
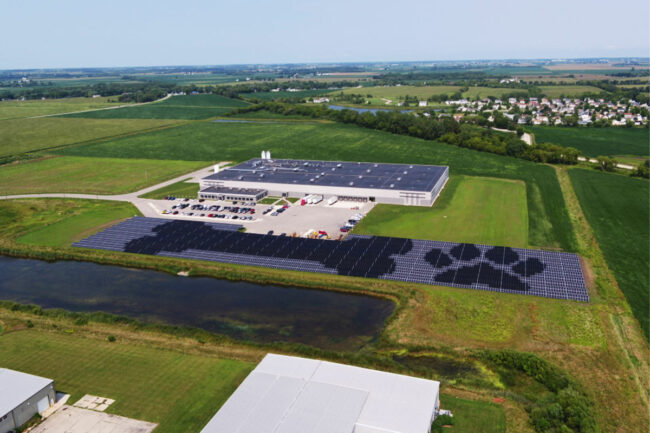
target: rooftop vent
368 171
311 180
392 185
240 177
410 166
399 178
376 165
333 168
338 165
351 184
360 177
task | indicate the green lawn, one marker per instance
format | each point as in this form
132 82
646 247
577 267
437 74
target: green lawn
397 93
176 107
27 135
89 175
470 209
181 189
471 416
36 107
617 208
484 92
548 223
568 91
179 391
76 220
595 142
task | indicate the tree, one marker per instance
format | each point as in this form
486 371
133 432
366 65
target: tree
606 163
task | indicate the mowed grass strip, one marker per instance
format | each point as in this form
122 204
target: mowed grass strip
179 391
617 209
181 189
472 416
549 225
79 219
470 209
37 107
89 175
191 107
595 142
27 135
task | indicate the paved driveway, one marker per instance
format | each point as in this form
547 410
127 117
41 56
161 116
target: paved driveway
71 419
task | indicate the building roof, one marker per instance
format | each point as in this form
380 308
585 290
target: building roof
286 394
404 177
17 387
234 191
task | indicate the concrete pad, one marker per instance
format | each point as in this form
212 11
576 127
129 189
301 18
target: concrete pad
70 419
94 402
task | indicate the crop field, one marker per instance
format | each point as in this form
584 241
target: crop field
142 380
268 96
484 92
617 209
179 190
21 109
568 91
190 107
210 141
595 142
89 175
396 93
27 135
470 209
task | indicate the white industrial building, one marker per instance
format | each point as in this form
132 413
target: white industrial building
286 394
404 184
22 396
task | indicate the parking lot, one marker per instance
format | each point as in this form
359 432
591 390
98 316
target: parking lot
70 419
281 218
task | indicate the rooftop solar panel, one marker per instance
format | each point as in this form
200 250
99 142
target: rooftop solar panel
501 269
405 177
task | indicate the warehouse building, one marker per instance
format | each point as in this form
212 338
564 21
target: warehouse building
287 394
404 184
21 397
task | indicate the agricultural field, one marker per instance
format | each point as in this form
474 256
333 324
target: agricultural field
142 380
28 135
20 109
617 208
470 209
210 141
89 175
595 142
568 91
189 107
484 92
269 96
181 189
378 94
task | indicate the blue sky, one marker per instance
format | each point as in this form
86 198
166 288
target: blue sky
74 33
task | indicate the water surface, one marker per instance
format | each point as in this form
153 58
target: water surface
263 313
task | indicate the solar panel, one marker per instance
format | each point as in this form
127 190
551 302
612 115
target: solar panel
501 269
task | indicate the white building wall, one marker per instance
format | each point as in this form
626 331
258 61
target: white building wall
24 412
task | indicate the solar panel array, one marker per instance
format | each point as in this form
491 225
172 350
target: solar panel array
404 177
502 269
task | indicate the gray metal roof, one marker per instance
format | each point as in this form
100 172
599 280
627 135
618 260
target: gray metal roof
17 387
286 394
404 177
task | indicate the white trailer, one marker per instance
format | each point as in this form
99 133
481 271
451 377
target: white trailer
316 199
332 200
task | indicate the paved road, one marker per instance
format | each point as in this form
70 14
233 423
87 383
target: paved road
595 161
148 207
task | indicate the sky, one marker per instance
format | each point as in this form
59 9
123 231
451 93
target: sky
87 33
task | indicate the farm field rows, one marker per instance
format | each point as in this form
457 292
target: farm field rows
89 175
141 380
27 135
568 91
21 109
470 209
548 220
189 107
595 142
617 208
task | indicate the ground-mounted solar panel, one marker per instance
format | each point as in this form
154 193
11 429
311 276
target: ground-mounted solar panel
501 269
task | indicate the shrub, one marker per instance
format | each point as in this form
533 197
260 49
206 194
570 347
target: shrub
111 338
440 422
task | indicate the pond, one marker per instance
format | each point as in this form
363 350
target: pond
263 313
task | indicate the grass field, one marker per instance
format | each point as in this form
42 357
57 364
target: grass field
209 141
89 175
472 416
268 96
179 391
189 107
617 209
37 107
484 92
70 223
568 91
397 93
598 141
27 135
179 190
470 209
